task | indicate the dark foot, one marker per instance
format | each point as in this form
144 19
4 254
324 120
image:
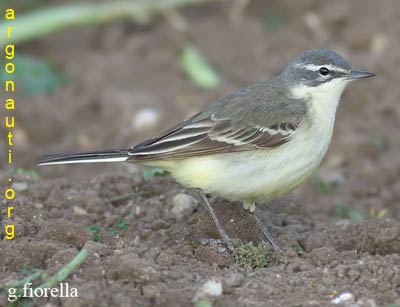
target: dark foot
224 237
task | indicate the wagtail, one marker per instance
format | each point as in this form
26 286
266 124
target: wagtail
253 145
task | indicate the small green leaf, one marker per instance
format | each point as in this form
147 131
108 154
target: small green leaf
341 211
25 172
356 215
150 172
196 67
323 187
382 213
33 174
114 232
204 303
33 75
298 249
346 212
95 230
121 224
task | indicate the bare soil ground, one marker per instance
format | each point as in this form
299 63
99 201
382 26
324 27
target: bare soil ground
144 251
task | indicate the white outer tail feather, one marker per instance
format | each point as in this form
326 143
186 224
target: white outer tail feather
117 155
120 159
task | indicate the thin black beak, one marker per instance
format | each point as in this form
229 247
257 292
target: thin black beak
358 74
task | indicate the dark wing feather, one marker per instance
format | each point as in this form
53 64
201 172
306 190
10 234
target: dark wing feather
211 136
256 117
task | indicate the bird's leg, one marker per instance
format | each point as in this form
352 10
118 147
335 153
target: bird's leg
266 233
227 241
250 206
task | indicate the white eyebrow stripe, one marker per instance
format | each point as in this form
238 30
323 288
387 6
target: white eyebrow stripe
314 67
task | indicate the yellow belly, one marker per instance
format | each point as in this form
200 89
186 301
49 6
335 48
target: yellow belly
256 175
246 176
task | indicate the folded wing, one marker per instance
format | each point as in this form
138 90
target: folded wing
211 136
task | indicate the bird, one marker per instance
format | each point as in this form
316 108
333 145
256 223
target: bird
254 145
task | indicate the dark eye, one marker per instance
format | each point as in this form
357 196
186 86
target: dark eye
324 71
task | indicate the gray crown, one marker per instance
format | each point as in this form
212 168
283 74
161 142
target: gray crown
303 69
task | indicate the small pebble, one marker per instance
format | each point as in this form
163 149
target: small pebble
345 297
183 205
150 291
234 279
79 211
19 186
211 288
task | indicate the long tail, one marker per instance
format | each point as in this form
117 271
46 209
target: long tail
115 155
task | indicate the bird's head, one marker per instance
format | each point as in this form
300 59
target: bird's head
319 72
